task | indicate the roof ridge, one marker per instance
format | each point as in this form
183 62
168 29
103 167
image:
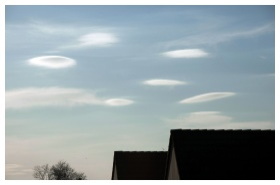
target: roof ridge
120 151
174 130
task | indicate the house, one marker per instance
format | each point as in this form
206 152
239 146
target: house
203 155
221 155
138 165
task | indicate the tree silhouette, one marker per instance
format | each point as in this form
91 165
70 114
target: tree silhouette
42 172
59 171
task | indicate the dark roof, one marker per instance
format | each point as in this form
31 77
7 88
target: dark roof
139 165
224 154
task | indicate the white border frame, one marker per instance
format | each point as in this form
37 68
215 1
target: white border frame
127 2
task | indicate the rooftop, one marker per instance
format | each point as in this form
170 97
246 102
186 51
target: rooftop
140 165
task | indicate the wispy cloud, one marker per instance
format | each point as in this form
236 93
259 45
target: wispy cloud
207 97
98 39
247 33
55 97
59 37
163 82
54 62
215 120
217 37
186 53
52 28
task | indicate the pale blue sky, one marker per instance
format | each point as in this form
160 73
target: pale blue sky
84 81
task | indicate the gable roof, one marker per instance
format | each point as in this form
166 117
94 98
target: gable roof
139 165
223 154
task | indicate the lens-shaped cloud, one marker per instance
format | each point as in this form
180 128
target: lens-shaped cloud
163 82
186 53
54 62
118 102
207 97
57 97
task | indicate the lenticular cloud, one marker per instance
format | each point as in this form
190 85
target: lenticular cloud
186 53
163 82
207 97
118 102
54 62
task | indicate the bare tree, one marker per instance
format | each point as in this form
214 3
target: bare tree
42 172
59 171
63 171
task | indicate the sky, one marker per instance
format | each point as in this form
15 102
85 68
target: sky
84 81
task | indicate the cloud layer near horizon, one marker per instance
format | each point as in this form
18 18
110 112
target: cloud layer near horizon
207 97
16 169
57 96
215 120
